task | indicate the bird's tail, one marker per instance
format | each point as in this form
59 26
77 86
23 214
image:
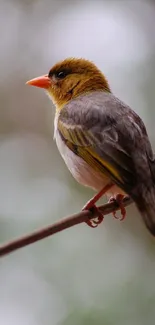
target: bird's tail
146 205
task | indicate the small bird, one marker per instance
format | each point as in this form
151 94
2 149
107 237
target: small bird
103 142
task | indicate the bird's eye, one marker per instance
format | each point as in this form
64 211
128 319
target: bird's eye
61 74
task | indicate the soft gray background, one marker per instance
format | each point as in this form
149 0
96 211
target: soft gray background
80 276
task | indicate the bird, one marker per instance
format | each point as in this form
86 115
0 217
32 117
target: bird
103 142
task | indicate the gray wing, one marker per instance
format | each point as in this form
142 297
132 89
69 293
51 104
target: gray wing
111 137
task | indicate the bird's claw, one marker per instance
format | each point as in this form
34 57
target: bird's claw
91 206
93 223
118 199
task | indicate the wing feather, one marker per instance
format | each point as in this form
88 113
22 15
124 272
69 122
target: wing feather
106 138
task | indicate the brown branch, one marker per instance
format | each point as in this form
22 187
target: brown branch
58 226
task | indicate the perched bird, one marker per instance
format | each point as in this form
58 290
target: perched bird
103 142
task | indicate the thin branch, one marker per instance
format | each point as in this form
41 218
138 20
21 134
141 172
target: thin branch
58 226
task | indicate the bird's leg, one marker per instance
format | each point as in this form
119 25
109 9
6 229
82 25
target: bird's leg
118 199
90 205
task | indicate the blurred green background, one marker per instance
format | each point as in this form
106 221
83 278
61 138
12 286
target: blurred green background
80 276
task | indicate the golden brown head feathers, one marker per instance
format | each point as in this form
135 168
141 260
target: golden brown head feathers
73 77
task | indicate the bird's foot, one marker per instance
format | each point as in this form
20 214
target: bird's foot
90 205
93 223
119 200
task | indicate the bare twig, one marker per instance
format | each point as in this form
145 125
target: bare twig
58 226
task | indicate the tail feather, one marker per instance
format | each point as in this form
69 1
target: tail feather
146 205
148 215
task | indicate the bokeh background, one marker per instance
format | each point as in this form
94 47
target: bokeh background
80 276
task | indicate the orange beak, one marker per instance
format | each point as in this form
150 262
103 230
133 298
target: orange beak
41 82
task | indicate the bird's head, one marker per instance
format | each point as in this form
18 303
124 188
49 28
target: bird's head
69 79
